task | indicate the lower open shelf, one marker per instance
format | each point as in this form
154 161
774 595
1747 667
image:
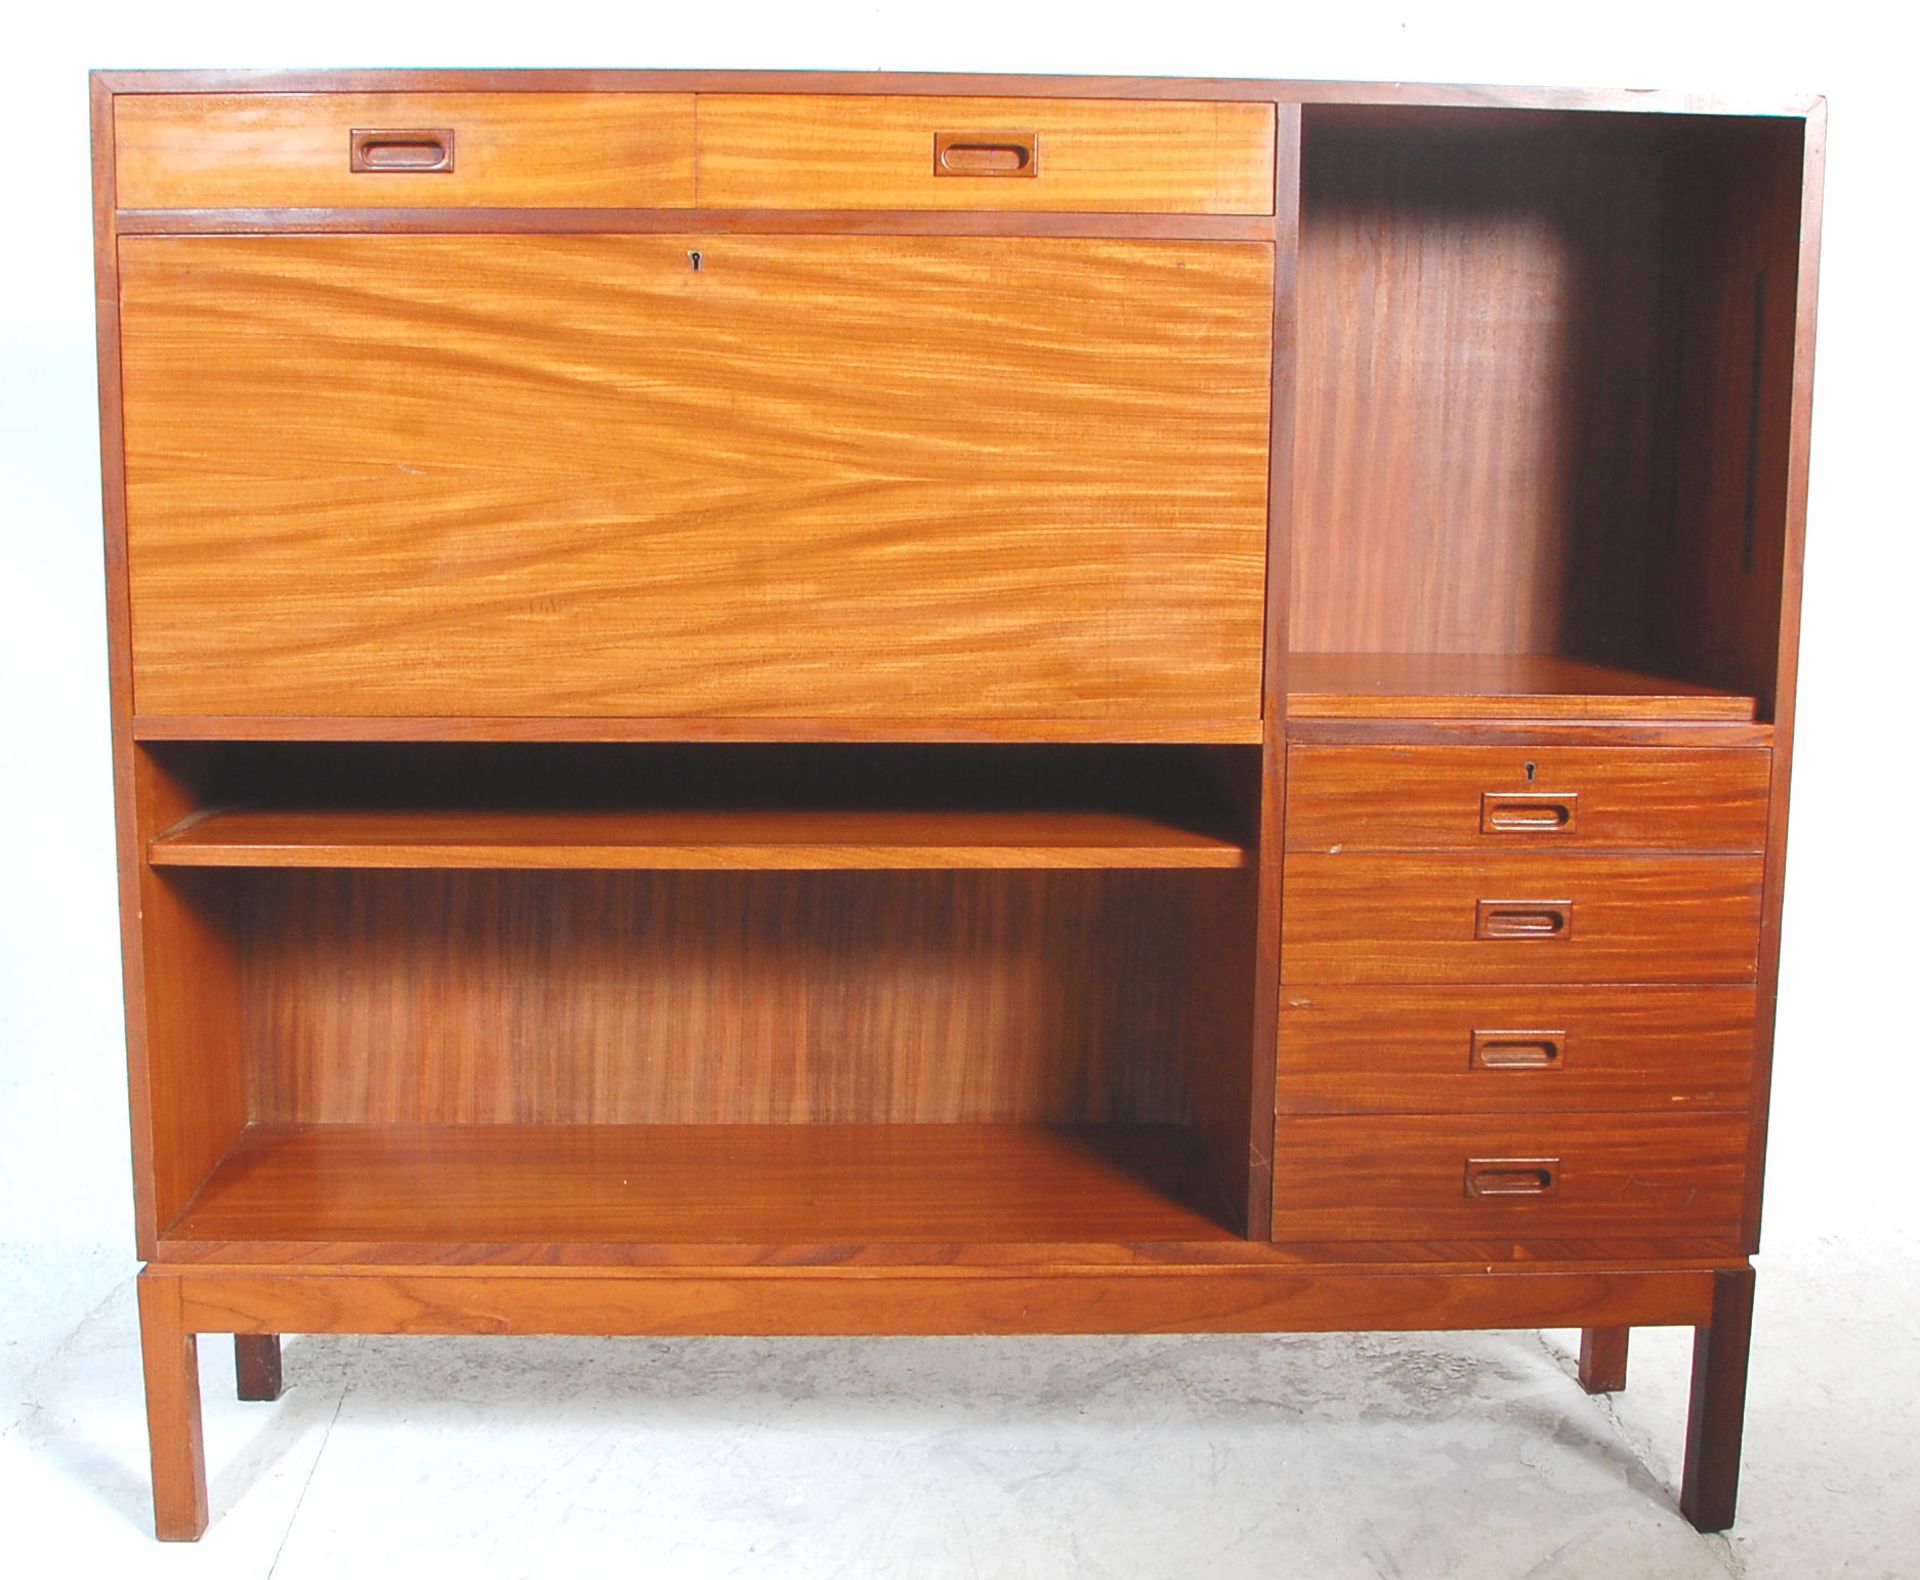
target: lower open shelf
442 1186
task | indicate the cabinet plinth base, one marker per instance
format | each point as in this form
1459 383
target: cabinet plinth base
1128 1293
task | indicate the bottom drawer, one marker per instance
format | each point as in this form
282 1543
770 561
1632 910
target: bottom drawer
1603 1176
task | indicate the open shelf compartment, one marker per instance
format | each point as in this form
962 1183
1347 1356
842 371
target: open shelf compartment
437 1186
668 807
442 995
1545 384
1497 686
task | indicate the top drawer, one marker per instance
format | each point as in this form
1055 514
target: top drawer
1526 798
403 150
1142 156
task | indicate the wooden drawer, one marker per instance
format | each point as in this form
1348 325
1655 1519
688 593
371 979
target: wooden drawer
821 477
433 150
1458 918
1141 156
1604 1176
1438 1050
1537 797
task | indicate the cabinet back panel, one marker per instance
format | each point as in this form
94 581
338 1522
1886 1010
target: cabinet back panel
816 477
1475 458
718 997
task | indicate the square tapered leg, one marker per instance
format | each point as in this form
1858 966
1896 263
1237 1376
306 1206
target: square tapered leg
256 1366
1710 1483
171 1359
1603 1359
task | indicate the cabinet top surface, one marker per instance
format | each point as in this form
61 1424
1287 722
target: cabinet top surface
1661 101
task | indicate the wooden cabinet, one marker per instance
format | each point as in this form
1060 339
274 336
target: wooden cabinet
852 704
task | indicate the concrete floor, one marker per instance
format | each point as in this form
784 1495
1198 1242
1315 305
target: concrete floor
1408 1456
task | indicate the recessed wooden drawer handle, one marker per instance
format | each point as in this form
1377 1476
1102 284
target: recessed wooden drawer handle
1512 1176
1528 812
414 152
1540 919
986 153
1518 1050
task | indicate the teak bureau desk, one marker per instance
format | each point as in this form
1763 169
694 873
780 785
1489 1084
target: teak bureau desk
770 704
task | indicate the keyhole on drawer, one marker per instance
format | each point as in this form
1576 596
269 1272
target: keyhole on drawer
694 259
1531 767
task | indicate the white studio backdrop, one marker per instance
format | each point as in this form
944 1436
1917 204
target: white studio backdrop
1845 1078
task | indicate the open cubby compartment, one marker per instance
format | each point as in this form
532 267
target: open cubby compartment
710 806
1541 457
373 1038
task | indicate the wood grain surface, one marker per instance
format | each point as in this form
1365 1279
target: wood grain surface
1585 798
1630 102
1411 918
511 150
1473 471
854 151
1717 1404
712 997
1373 1049
688 839
257 1376
1537 687
1603 1359
818 477
170 1361
1369 1178
191 1070
1734 353
636 727
1066 1299
766 1184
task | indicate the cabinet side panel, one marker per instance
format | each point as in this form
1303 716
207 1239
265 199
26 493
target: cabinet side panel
816 477
1741 310
119 658
190 927
1237 966
1811 197
1733 309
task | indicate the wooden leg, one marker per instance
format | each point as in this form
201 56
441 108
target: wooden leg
1710 1482
1603 1359
256 1366
173 1413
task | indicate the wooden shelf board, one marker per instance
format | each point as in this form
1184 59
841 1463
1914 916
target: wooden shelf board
713 839
1494 686
435 1186
579 727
